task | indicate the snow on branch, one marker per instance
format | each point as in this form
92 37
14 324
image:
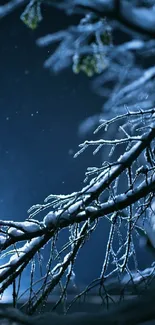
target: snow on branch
121 189
80 212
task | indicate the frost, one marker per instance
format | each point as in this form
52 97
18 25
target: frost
98 182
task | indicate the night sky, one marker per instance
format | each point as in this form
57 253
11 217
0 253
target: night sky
39 118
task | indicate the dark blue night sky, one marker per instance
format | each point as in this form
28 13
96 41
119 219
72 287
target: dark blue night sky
40 115
39 118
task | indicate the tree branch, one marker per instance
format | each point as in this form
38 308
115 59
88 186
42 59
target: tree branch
141 20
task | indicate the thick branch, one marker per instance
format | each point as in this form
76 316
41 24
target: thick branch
121 201
74 213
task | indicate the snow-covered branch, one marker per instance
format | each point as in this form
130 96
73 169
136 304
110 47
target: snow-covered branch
121 190
84 207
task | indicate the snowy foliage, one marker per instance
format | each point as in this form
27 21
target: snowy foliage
121 190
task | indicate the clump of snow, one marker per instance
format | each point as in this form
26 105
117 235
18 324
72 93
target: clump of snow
24 250
51 219
75 206
2 240
14 258
26 226
90 209
15 232
30 226
2 271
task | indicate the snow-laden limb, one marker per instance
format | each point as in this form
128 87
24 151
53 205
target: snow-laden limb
17 231
122 188
26 226
121 201
100 143
81 211
22 256
69 206
62 219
